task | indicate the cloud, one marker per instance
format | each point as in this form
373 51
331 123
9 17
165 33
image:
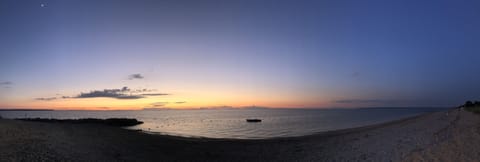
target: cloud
358 101
163 103
154 94
52 98
159 104
6 83
356 74
122 93
135 76
143 90
110 93
46 99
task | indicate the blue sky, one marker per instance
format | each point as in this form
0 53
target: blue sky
240 53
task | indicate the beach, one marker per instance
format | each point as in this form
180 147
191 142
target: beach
439 136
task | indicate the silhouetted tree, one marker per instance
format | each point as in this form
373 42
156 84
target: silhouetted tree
469 104
477 103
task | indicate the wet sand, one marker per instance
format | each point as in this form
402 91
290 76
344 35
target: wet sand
440 136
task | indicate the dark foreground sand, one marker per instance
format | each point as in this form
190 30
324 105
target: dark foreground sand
430 137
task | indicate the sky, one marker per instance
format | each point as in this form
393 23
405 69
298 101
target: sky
135 54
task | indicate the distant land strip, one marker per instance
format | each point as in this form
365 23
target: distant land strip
26 110
121 122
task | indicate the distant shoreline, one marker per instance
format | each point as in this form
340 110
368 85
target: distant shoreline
256 108
27 110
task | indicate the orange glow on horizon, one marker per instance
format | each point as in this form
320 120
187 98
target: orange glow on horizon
199 97
116 104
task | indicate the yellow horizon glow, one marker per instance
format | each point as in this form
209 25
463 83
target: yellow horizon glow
194 98
139 104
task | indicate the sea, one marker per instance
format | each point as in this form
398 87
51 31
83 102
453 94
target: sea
231 123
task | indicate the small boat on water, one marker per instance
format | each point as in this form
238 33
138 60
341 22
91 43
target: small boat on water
254 120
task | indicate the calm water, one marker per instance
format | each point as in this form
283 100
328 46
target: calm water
232 124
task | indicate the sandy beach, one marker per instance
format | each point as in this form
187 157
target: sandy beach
440 136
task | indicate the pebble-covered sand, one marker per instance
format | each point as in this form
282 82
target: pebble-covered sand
452 135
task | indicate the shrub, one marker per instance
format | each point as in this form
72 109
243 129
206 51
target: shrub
469 104
475 109
472 106
477 103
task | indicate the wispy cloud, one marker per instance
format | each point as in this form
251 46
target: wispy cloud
356 74
159 104
6 83
46 98
163 103
142 90
362 101
154 94
135 76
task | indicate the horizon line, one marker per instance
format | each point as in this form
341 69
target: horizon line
219 108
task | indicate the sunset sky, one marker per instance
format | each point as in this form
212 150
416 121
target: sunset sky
134 54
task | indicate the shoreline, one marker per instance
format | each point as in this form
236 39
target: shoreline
335 132
126 124
421 137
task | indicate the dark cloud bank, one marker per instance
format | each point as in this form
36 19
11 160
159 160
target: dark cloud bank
111 93
122 93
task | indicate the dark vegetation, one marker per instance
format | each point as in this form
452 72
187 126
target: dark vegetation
120 122
472 106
